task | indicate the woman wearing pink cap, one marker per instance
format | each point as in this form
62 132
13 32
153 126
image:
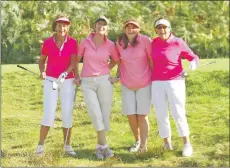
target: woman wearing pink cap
168 83
135 77
96 51
61 51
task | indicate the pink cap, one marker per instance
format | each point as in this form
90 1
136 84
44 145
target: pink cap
63 19
132 22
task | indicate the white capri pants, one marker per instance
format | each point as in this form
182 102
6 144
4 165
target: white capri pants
97 93
172 91
66 91
136 102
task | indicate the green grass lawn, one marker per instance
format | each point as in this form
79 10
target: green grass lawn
207 110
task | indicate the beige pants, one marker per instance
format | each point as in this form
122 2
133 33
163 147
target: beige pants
97 94
66 91
136 102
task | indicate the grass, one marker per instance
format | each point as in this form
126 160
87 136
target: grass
207 110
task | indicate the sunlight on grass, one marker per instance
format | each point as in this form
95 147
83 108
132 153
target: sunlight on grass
207 111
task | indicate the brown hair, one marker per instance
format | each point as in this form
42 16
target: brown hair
58 16
123 37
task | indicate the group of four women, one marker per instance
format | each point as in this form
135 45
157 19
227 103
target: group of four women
150 72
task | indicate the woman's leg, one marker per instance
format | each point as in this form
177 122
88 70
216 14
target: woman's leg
143 123
67 103
177 97
133 122
129 109
43 134
104 93
67 134
50 97
143 101
101 137
160 104
89 91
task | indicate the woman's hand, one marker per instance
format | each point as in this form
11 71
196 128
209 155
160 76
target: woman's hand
77 81
43 75
114 79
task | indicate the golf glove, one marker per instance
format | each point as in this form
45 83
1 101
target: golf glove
193 64
62 77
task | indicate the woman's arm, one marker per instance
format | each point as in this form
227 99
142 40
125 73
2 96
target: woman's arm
42 62
72 65
77 79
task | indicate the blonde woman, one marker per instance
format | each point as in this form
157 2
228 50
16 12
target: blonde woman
96 51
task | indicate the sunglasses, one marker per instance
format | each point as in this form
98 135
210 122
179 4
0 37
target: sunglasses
162 27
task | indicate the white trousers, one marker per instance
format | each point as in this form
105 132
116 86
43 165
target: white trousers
172 91
97 94
66 91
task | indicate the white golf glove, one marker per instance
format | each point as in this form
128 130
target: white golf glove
55 86
62 77
193 64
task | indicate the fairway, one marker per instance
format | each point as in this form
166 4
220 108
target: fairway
207 111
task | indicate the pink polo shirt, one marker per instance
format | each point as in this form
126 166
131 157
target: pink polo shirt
95 60
58 59
167 58
135 71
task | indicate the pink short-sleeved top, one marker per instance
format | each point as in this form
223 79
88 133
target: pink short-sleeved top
58 59
95 60
135 71
167 58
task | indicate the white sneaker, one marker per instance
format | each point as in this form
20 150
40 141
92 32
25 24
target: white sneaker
187 150
135 147
108 153
168 146
99 153
40 150
69 150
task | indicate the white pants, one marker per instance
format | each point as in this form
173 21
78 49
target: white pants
66 91
172 91
136 102
97 94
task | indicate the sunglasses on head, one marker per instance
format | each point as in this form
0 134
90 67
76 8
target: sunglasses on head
161 27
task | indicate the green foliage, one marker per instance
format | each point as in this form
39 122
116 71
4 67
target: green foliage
204 25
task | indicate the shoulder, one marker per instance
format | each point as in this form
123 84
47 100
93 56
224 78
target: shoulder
178 41
155 40
71 39
145 37
48 39
83 41
110 43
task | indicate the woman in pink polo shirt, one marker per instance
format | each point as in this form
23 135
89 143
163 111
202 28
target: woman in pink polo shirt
96 51
168 83
135 77
61 51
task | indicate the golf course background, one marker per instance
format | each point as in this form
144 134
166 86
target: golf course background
204 25
207 112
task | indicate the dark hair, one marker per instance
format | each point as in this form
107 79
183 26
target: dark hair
54 21
123 37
